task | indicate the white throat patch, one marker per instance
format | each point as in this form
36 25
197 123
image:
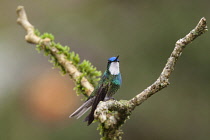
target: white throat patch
114 68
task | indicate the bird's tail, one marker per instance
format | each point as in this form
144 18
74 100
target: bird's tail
99 97
83 108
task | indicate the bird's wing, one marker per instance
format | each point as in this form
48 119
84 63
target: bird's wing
88 103
100 95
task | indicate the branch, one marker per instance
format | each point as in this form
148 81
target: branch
163 79
113 114
69 67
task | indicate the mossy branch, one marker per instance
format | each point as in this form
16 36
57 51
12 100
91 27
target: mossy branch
83 73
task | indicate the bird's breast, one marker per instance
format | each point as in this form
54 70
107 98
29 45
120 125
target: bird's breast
117 80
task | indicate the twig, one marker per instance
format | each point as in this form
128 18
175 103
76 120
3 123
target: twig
163 79
32 38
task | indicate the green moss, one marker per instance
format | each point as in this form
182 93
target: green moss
47 35
79 88
38 48
36 32
85 67
89 72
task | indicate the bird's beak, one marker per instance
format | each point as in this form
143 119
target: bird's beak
116 58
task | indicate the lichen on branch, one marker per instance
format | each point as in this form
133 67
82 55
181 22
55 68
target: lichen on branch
112 115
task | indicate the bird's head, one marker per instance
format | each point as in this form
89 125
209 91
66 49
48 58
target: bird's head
113 65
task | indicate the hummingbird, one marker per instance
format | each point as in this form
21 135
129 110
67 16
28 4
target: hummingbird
108 85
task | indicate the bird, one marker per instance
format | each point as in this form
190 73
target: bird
108 85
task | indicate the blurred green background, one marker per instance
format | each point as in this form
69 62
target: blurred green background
35 100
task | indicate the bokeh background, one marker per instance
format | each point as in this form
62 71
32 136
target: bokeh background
35 100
